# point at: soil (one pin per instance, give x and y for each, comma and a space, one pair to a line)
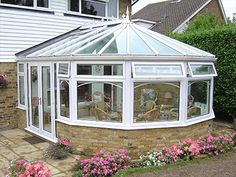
221, 166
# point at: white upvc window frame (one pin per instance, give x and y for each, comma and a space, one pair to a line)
201, 75
35, 5
80, 8
158, 64
204, 117
58, 70
59, 116
161, 124
90, 78
22, 74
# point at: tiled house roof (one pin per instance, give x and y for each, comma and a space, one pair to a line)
168, 15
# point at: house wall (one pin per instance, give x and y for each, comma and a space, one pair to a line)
8, 97
89, 140
21, 28
214, 8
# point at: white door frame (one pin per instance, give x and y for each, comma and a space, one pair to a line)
51, 136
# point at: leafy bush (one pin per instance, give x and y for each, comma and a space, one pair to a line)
58, 150
204, 22
221, 43
23, 168
103, 164
188, 149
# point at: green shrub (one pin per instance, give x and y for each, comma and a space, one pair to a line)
222, 43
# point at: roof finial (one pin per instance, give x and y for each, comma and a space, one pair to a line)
127, 13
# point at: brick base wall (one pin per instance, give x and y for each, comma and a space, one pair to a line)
136, 142
8, 97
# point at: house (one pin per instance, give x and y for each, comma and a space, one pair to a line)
175, 15
27, 23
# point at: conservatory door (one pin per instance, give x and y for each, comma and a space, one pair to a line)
41, 106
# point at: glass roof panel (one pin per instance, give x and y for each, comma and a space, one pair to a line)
97, 46
137, 45
119, 45
161, 48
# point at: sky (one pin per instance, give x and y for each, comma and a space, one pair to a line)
229, 6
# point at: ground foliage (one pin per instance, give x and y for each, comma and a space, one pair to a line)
219, 40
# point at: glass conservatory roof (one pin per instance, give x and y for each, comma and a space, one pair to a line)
121, 37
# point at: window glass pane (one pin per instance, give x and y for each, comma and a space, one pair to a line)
64, 98
161, 48
94, 8
100, 70
73, 5
19, 2
118, 45
97, 46
21, 68
63, 69
198, 98
112, 8
158, 70
99, 101
42, 3
202, 69
155, 102
137, 45
22, 89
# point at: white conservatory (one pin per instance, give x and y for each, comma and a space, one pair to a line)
114, 75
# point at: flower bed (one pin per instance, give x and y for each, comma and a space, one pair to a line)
24, 168
190, 149
103, 164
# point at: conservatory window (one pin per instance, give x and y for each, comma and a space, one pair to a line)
64, 98
198, 98
142, 70
155, 102
100, 70
90, 7
29, 3
100, 101
21, 86
63, 69
202, 69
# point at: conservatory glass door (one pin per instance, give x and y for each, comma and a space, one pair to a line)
41, 110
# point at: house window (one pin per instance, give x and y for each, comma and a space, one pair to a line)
29, 3
64, 98
21, 85
156, 102
198, 98
202, 69
143, 70
100, 101
100, 70
100, 8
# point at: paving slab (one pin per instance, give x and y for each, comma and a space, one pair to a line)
25, 149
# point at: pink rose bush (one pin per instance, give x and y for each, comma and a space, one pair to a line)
24, 168
188, 149
103, 164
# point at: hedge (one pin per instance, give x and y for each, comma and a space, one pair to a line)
222, 43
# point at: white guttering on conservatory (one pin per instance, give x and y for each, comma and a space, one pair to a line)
122, 76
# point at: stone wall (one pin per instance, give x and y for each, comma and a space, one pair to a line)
8, 97
136, 142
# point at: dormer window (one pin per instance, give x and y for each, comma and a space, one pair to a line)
28, 3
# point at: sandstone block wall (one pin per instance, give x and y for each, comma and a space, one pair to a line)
136, 142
